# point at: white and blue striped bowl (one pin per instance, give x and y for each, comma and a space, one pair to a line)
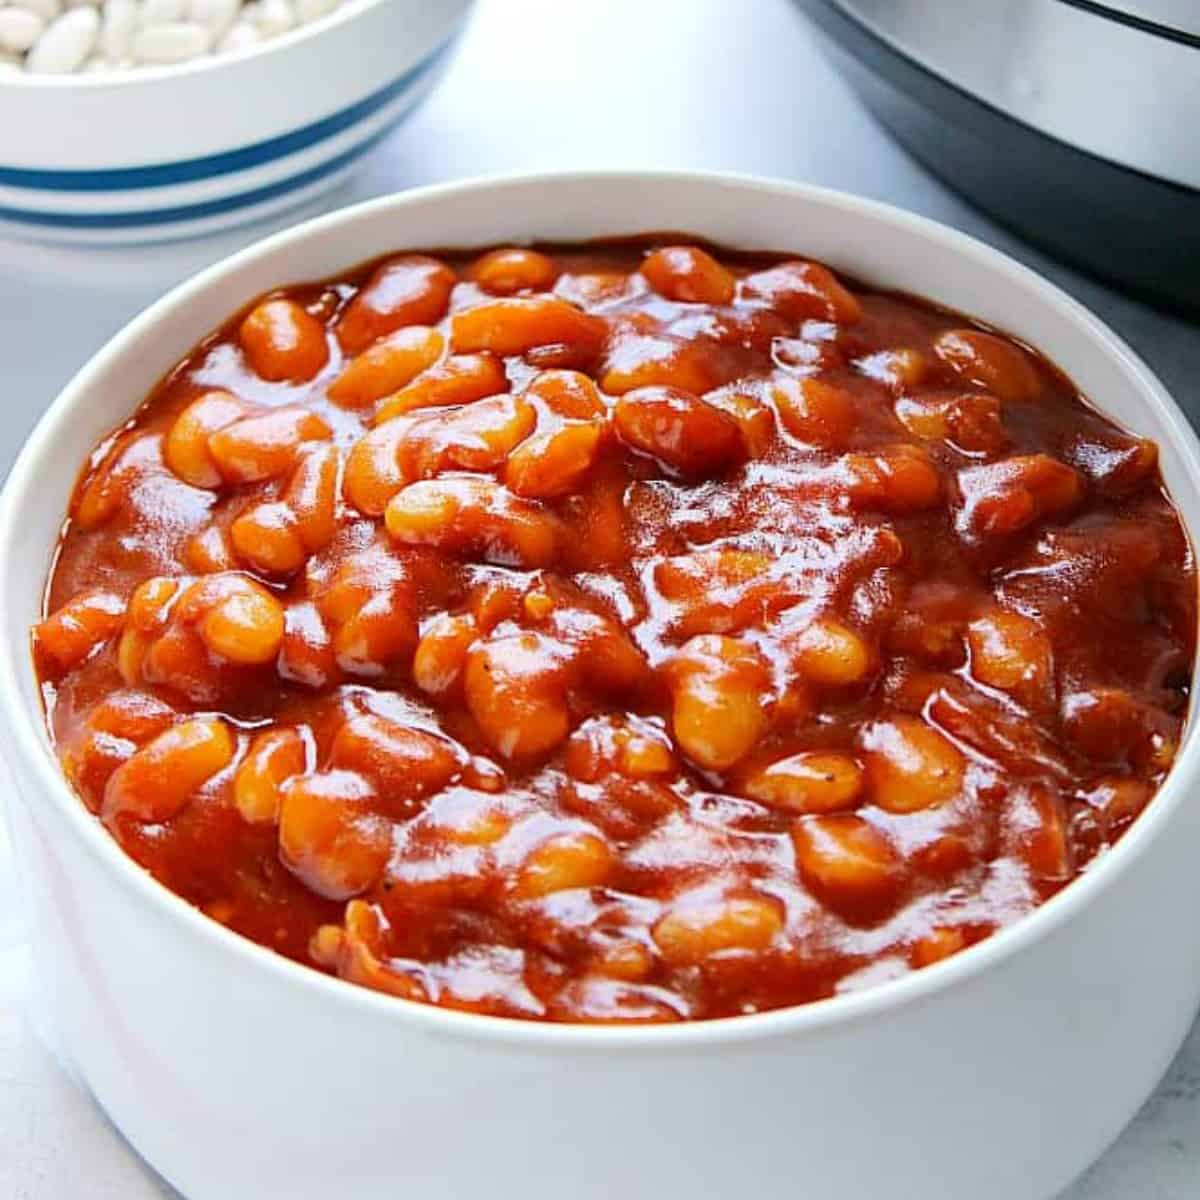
175, 152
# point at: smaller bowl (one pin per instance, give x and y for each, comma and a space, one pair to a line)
172, 152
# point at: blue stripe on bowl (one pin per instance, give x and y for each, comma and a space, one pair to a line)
193, 169
206, 208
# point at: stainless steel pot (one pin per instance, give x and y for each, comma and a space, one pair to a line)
1076, 122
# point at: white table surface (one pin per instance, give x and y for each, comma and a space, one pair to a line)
729, 84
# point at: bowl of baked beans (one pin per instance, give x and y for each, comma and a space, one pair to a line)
132, 121
642, 683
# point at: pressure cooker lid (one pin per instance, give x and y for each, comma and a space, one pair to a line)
1071, 122
1092, 74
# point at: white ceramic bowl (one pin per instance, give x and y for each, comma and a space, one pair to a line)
997, 1075
168, 152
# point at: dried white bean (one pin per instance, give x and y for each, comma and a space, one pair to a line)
19, 29
159, 12
116, 29
314, 10
66, 45
243, 36
171, 42
217, 16
46, 9
274, 17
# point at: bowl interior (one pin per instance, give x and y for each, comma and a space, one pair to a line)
877, 244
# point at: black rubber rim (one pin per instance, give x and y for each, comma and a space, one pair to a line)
1135, 22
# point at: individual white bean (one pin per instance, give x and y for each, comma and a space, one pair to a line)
243, 36
313, 10
159, 12
215, 15
98, 63
67, 44
46, 9
117, 28
19, 29
11, 64
171, 42
274, 17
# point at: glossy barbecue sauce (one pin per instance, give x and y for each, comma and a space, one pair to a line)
626, 632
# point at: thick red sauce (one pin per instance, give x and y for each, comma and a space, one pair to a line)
599, 635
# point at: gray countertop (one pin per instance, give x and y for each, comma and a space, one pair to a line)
725, 84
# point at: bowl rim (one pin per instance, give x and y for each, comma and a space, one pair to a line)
346, 12
33, 761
